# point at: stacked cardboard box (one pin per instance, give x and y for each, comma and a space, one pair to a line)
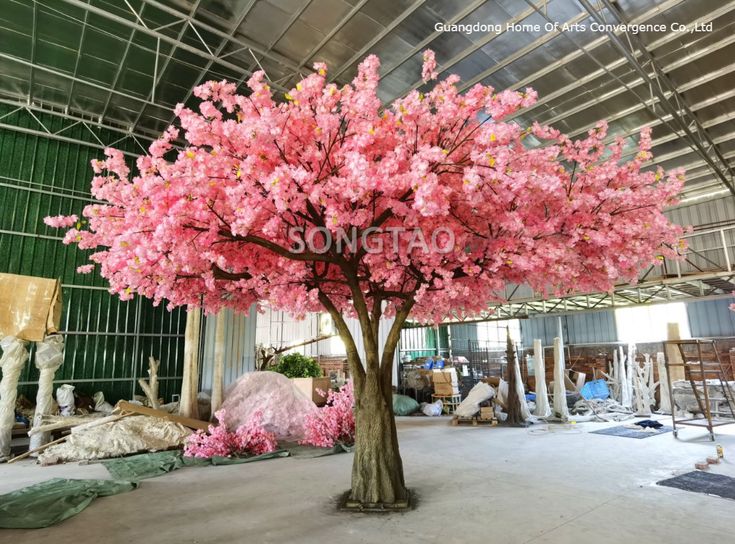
446, 382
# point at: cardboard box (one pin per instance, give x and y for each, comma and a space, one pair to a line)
448, 375
446, 382
311, 387
492, 380
30, 307
445, 389
486, 412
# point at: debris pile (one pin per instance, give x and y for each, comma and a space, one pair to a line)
116, 438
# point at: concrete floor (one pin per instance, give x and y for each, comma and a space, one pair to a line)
552, 484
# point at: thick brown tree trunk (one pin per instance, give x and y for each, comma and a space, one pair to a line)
377, 469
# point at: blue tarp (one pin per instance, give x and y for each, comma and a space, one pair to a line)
596, 389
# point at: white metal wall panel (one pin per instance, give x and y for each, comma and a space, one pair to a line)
581, 328
711, 318
239, 347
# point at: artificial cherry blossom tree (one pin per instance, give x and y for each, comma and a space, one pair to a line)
437, 201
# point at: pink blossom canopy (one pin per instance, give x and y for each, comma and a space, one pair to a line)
212, 224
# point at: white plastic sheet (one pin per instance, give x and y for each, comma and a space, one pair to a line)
114, 439
471, 404
626, 394
49, 356
521, 392
561, 410
664, 392
283, 405
433, 408
100, 404
14, 357
539, 371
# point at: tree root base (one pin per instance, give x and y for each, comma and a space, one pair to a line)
348, 505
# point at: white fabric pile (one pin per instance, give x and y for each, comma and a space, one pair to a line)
600, 410
128, 435
471, 405
283, 405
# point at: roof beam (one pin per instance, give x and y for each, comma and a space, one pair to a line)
660, 84
70, 77
55, 136
34, 33
639, 81
217, 53
123, 132
157, 77
163, 37
82, 34
279, 59
478, 45
561, 63
382, 34
346, 19
431, 37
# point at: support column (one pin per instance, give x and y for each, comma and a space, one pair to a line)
14, 357
49, 356
539, 371
664, 400
218, 369
560, 391
188, 405
672, 333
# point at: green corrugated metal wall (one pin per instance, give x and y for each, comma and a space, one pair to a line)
107, 341
422, 341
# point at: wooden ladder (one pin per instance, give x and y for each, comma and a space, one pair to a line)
700, 366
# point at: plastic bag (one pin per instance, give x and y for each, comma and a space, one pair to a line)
404, 405
100, 404
65, 399
432, 409
471, 405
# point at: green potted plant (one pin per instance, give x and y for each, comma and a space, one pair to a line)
306, 374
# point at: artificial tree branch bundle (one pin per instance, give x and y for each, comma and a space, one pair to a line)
150, 386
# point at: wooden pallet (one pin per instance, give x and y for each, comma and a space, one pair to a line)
474, 421
449, 402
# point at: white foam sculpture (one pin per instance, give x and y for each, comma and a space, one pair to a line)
543, 409
561, 410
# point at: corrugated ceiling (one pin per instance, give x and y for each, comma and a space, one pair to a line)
124, 64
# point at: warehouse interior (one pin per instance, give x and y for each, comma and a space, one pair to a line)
516, 422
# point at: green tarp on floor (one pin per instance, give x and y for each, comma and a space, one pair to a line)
150, 465
50, 502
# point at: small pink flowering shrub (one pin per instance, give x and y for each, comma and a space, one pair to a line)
249, 439
335, 422
61, 221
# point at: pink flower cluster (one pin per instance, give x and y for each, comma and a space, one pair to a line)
61, 221
248, 439
209, 224
334, 423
